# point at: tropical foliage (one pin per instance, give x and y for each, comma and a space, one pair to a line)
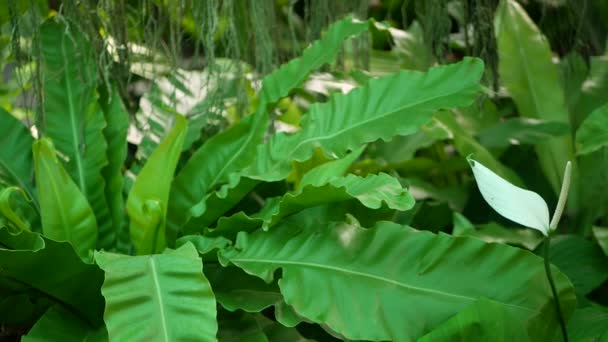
338, 195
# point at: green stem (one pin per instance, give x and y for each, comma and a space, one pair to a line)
558, 308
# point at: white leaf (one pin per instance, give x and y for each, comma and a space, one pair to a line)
519, 205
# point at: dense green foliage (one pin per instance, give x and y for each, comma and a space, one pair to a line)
147, 198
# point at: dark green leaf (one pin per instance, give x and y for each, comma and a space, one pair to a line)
58, 324
521, 131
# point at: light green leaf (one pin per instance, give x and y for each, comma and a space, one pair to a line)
518, 205
323, 173
149, 196
72, 117
372, 191
53, 269
16, 164
115, 133
589, 324
162, 297
58, 324
593, 132
398, 276
484, 320
65, 212
527, 71
378, 110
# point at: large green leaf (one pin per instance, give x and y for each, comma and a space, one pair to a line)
593, 132
581, 260
115, 134
230, 151
53, 269
589, 324
72, 117
163, 297
58, 324
16, 165
393, 105
149, 196
398, 277
484, 320
65, 212
527, 71
372, 191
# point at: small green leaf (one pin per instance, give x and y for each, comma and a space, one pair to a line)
148, 199
593, 132
7, 210
518, 205
65, 212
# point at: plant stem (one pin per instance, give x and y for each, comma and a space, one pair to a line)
558, 308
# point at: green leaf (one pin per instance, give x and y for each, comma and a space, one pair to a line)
484, 320
149, 196
378, 110
518, 205
601, 235
292, 74
398, 276
372, 191
115, 133
163, 297
495, 233
16, 164
589, 324
593, 132
232, 150
323, 173
466, 145
527, 71
521, 131
58, 324
581, 260
71, 115
53, 269
65, 212
14, 220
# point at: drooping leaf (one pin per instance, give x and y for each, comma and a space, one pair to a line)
149, 196
374, 111
581, 260
398, 276
115, 134
589, 324
527, 71
484, 320
518, 205
65, 212
232, 150
53, 269
521, 131
16, 164
372, 191
593, 132
58, 324
163, 297
72, 117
